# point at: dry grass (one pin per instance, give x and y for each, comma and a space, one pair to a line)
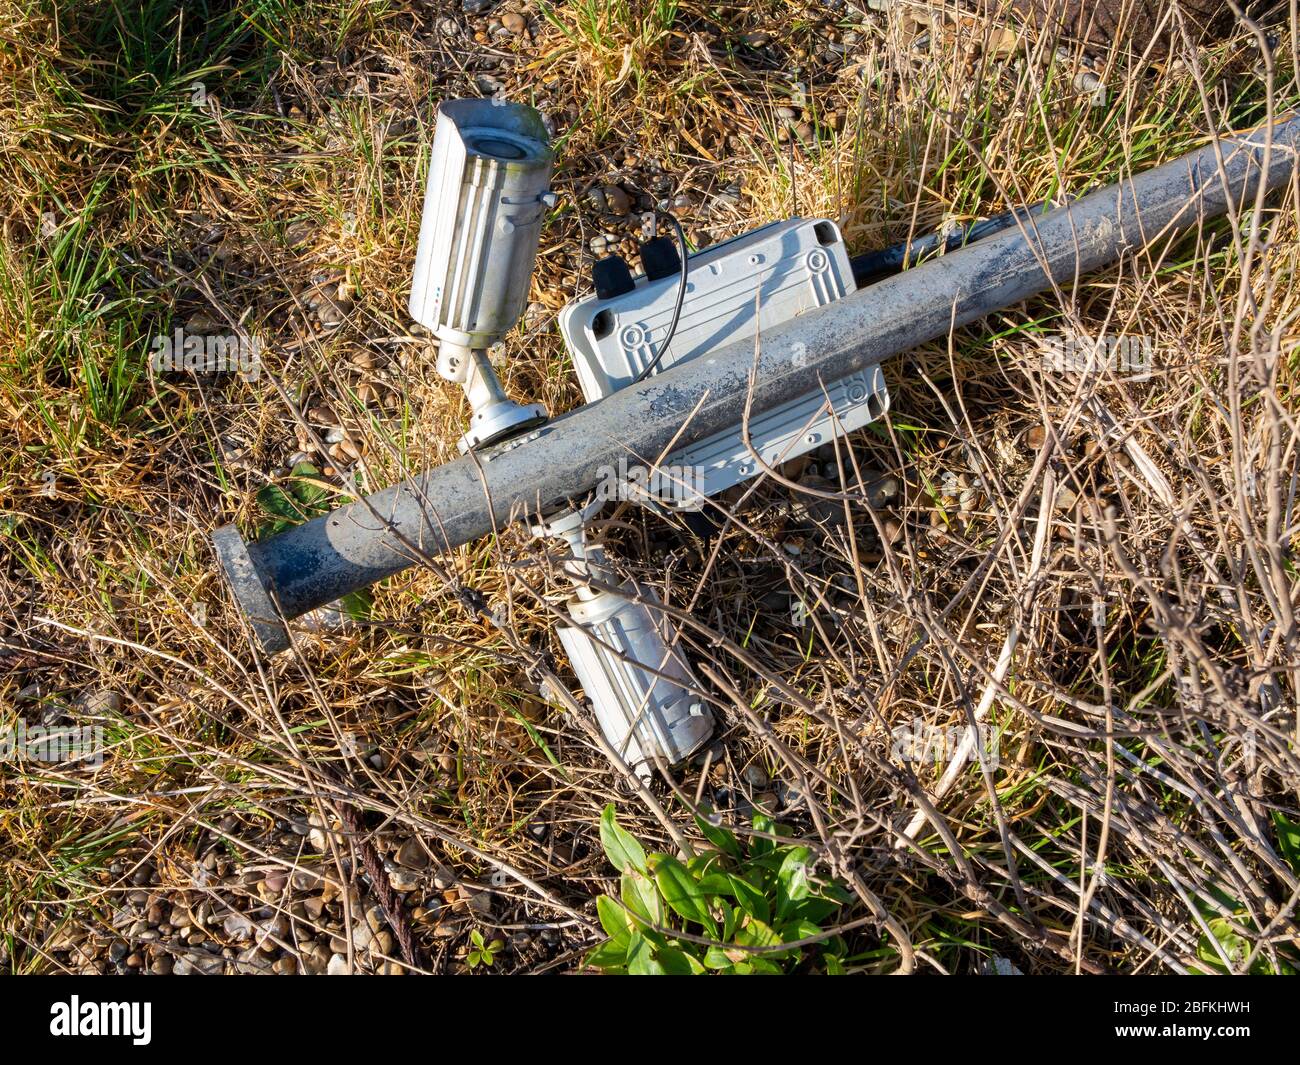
1101, 565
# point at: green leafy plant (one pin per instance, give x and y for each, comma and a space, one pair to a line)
729, 909
299, 497
303, 495
483, 953
1227, 932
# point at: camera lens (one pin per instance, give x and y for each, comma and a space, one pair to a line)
498, 148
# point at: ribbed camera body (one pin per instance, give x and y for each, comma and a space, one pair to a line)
488, 188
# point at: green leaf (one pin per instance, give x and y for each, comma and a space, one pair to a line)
682, 893
307, 489
641, 896
758, 934
792, 880
750, 899
1234, 946
623, 851
357, 604
614, 920
757, 845
609, 955
720, 837
273, 528
814, 909
678, 962
730, 915
794, 930
274, 500
1288, 840
713, 884
700, 865
640, 957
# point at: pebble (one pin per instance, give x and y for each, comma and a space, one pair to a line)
238, 927
618, 201
412, 855
479, 901
101, 703
1088, 82
882, 491
728, 197
338, 965
1064, 499
515, 23
272, 887
330, 312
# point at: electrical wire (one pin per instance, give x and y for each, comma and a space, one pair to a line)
653, 364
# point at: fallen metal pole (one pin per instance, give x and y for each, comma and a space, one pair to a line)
433, 512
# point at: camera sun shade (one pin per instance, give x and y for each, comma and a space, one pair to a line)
488, 188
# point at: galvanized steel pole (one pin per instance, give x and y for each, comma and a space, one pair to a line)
433, 512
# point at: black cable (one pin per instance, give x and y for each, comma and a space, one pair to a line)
681, 297
874, 265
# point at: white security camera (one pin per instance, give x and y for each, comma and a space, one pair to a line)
488, 190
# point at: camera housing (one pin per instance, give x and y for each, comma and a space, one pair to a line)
487, 193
